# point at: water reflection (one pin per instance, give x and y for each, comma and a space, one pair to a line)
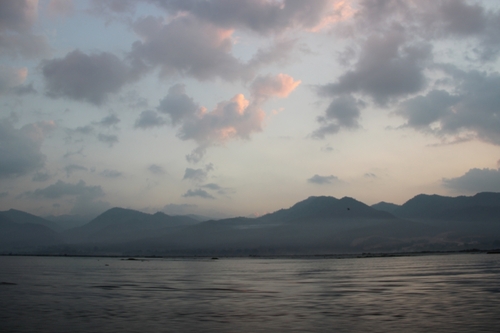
452, 293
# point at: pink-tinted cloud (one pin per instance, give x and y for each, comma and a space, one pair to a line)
281, 85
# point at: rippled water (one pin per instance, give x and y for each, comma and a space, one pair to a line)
439, 293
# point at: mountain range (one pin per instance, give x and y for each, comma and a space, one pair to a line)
316, 225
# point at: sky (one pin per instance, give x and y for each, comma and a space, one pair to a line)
243, 107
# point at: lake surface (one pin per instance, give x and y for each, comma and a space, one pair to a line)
436, 293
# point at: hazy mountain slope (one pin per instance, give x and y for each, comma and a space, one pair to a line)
325, 208
119, 224
18, 216
25, 236
386, 207
440, 207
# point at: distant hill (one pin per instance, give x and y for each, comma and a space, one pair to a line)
23, 237
438, 207
119, 225
21, 217
326, 208
316, 225
70, 221
386, 207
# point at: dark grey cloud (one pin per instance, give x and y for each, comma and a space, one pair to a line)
472, 107
186, 46
263, 17
322, 180
110, 139
20, 148
85, 198
198, 175
156, 169
343, 112
41, 176
475, 180
370, 175
24, 89
111, 173
89, 78
4, 194
388, 68
61, 189
178, 105
198, 193
17, 18
217, 188
149, 119
71, 168
108, 121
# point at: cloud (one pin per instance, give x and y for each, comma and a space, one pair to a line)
4, 194
322, 180
85, 197
109, 139
187, 47
41, 177
263, 17
156, 169
87, 78
111, 173
197, 175
108, 121
149, 119
475, 180
472, 107
20, 148
387, 68
72, 168
178, 105
198, 193
10, 78
265, 87
343, 112
237, 118
60, 8
17, 18
61, 189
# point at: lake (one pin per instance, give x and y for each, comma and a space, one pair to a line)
434, 293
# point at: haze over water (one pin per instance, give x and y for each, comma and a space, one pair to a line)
438, 293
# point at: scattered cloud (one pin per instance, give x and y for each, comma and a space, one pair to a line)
110, 139
41, 176
108, 121
198, 175
237, 118
111, 173
149, 119
12, 78
85, 197
156, 169
87, 78
20, 149
475, 180
69, 169
198, 193
322, 180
